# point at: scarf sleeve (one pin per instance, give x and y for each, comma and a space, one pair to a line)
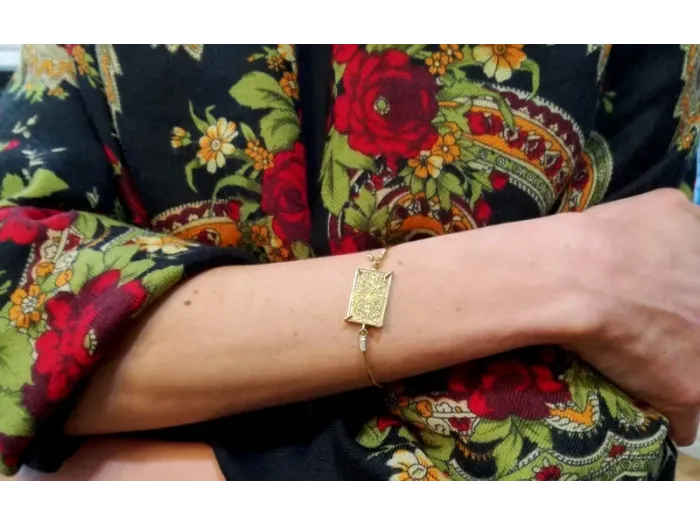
77, 260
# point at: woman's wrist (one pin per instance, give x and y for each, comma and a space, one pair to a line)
485, 292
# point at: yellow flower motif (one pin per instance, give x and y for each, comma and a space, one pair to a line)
168, 245
64, 278
426, 164
275, 62
44, 268
414, 466
424, 408
286, 51
26, 306
216, 144
259, 234
262, 159
253, 149
447, 148
289, 85
179, 138
452, 51
57, 92
687, 141
499, 59
437, 63
80, 57
276, 250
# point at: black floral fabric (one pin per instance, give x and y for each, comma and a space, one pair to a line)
124, 169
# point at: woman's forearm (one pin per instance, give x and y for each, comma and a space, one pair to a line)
241, 338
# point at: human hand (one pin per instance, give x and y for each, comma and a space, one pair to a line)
637, 262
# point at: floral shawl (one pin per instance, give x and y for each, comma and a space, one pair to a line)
125, 169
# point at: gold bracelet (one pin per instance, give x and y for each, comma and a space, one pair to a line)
368, 300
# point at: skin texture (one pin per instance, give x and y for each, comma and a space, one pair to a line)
113, 459
565, 279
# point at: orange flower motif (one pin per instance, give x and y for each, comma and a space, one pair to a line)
262, 159
500, 59
44, 268
414, 466
286, 51
253, 149
216, 144
452, 51
64, 278
57, 92
259, 234
80, 57
426, 164
437, 63
179, 138
446, 147
424, 408
276, 250
289, 85
275, 62
26, 306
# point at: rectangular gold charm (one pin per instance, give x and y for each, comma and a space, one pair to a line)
369, 296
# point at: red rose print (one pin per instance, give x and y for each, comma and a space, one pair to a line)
233, 210
484, 123
482, 211
498, 179
11, 449
11, 145
25, 225
377, 181
387, 106
498, 389
344, 52
616, 450
353, 242
460, 424
550, 473
284, 195
77, 323
385, 422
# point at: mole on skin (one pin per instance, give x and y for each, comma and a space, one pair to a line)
187, 303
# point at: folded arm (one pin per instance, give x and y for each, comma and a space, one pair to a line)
239, 338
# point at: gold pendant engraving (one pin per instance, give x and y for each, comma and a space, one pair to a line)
369, 297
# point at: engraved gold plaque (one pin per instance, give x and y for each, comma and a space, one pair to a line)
369, 296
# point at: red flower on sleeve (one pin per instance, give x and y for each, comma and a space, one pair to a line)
78, 324
500, 388
25, 225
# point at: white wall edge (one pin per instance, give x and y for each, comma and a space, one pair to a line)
9, 58
693, 450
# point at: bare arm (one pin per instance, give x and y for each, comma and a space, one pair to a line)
240, 338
